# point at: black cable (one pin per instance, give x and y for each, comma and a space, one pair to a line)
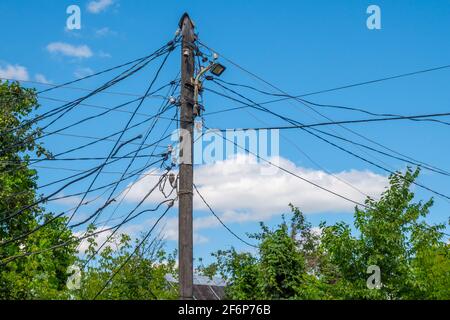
116, 184
107, 138
300, 126
320, 124
128, 215
64, 109
289, 172
26, 234
89, 173
58, 191
325, 105
72, 159
103, 71
96, 106
164, 107
372, 81
99, 114
220, 220
127, 125
127, 94
335, 88
132, 254
86, 171
149, 131
97, 140
54, 218
81, 172
114, 160
111, 184
69, 106
34, 161
314, 162
260, 107
129, 122
439, 171
78, 239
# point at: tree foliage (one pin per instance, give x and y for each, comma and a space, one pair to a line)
298, 262
141, 276
36, 276
45, 275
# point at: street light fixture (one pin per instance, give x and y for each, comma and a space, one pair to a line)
217, 69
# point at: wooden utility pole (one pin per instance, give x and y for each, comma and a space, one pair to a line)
185, 220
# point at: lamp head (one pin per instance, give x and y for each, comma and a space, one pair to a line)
217, 69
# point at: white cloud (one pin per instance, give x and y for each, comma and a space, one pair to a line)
103, 54
41, 78
102, 32
170, 232
82, 51
83, 72
237, 190
14, 72
105, 31
99, 5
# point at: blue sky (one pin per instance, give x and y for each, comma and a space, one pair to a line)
301, 46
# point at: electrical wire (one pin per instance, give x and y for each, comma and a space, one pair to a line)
338, 88
352, 85
289, 172
132, 254
88, 173
78, 239
169, 44
220, 220
81, 172
299, 125
128, 167
113, 150
446, 114
325, 105
412, 161
69, 106
64, 109
151, 128
129, 214
26, 234
255, 105
314, 162
96, 106
99, 114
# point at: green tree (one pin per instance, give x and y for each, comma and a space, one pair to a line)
40, 276
284, 268
295, 262
141, 277
393, 235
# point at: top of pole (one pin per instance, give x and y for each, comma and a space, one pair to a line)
185, 19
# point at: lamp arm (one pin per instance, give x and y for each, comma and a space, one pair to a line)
197, 84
